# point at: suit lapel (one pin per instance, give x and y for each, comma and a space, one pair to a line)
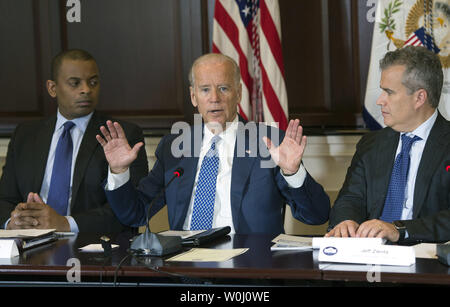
431, 158
42, 148
87, 148
383, 169
240, 173
184, 189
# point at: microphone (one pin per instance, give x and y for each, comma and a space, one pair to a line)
152, 244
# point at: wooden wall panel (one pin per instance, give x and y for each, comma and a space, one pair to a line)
303, 44
320, 50
20, 80
138, 47
145, 48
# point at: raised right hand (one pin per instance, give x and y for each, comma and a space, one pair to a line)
118, 152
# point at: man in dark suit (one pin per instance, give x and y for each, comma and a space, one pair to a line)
248, 192
30, 176
398, 184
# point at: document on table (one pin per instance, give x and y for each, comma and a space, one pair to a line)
426, 250
95, 248
287, 242
208, 255
24, 233
184, 234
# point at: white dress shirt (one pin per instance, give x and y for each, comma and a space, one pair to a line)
222, 204
77, 133
423, 131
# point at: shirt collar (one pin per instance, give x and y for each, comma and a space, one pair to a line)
228, 135
424, 129
80, 122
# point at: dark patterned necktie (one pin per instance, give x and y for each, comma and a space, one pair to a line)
205, 194
395, 198
58, 195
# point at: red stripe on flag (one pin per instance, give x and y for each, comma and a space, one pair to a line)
271, 34
273, 102
232, 31
242, 113
245, 54
412, 37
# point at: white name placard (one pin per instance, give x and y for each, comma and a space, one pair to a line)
8, 249
317, 242
346, 252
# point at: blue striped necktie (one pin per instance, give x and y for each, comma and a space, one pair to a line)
205, 194
395, 198
58, 195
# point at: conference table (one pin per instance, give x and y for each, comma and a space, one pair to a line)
61, 263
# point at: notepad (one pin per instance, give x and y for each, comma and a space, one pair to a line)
24, 233
287, 242
184, 234
208, 255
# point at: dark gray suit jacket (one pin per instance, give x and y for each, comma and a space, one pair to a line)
364, 191
25, 167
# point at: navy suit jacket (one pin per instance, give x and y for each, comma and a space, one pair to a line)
258, 194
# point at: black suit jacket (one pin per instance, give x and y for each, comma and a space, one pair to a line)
25, 165
364, 191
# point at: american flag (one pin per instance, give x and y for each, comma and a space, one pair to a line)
249, 31
421, 38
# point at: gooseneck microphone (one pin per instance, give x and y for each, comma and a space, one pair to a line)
151, 244
176, 173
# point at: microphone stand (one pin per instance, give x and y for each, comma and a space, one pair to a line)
152, 244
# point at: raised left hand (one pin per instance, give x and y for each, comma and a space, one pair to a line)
288, 155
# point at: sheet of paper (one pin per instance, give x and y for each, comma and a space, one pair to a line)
24, 233
425, 250
208, 255
95, 248
181, 233
287, 242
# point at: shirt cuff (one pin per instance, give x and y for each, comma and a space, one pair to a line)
296, 180
115, 181
70, 220
73, 224
6, 223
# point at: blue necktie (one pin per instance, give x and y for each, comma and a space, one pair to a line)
205, 194
58, 195
395, 198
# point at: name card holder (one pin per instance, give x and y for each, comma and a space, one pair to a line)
345, 252
8, 249
319, 241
